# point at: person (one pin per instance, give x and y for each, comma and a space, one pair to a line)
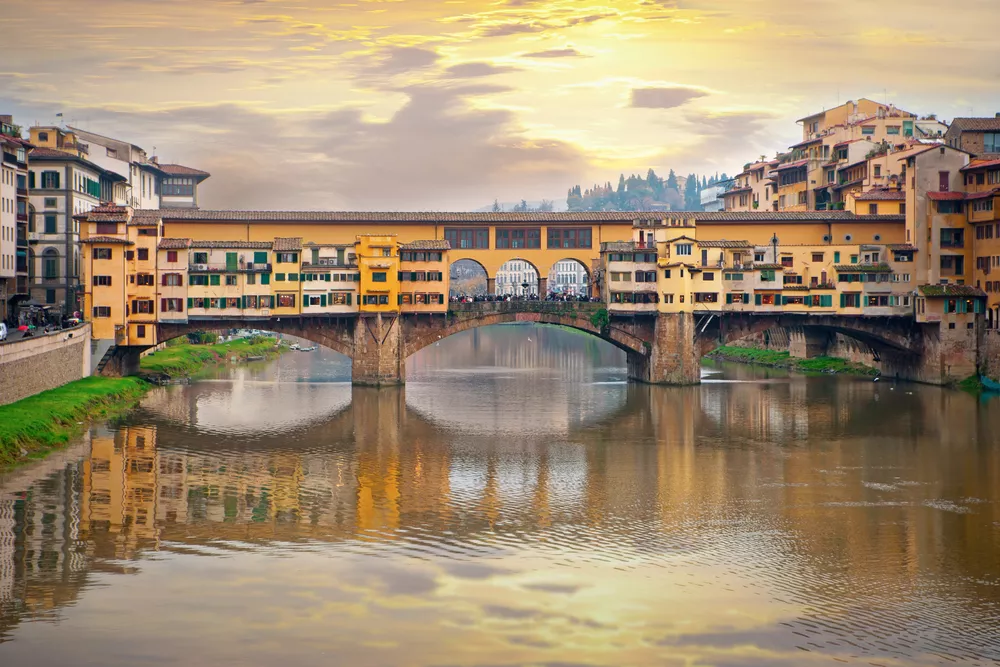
3, 331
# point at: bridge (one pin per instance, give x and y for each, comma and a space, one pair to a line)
660, 348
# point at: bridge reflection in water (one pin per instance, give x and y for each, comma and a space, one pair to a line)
825, 519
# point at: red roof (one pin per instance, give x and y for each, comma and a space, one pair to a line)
882, 194
181, 170
844, 143
807, 142
979, 164
791, 165
946, 196
106, 239
41, 151
982, 195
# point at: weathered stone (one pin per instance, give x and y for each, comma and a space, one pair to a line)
43, 362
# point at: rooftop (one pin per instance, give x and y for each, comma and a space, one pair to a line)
988, 124
174, 244
950, 290
106, 239
946, 196
723, 243
882, 194
247, 245
438, 244
181, 170
863, 268
288, 243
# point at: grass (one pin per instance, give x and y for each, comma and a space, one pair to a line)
37, 424
777, 359
186, 359
972, 384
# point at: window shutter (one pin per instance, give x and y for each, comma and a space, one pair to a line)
260, 257
729, 298
756, 299
843, 300
190, 303
322, 299
214, 279
265, 279
163, 305
206, 303
349, 299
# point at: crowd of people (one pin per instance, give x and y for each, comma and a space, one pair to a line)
552, 296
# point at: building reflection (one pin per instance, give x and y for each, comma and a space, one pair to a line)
849, 473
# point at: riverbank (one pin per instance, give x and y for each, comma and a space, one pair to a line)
775, 359
35, 425
186, 359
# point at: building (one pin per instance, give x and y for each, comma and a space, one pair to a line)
977, 136
569, 277
711, 197
13, 219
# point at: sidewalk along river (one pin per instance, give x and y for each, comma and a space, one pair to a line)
33, 426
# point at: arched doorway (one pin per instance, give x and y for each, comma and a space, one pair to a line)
569, 277
467, 278
517, 277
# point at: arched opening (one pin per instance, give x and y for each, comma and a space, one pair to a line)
50, 264
468, 278
568, 278
517, 277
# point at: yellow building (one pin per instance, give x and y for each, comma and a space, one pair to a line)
378, 264
423, 276
982, 203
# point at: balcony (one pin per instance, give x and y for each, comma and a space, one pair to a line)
22, 192
34, 237
22, 217
222, 267
331, 262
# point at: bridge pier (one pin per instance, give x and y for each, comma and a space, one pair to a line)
378, 359
807, 343
120, 361
673, 354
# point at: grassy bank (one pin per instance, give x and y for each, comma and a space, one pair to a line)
186, 360
38, 423
777, 359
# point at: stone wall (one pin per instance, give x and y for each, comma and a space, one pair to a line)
989, 355
36, 364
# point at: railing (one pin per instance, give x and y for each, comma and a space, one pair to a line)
330, 262
952, 244
22, 192
216, 267
526, 306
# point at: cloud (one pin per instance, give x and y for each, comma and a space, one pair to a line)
395, 60
477, 69
512, 28
663, 98
555, 53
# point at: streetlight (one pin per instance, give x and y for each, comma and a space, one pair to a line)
524, 286
774, 244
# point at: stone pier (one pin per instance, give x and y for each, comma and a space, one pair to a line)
807, 342
378, 359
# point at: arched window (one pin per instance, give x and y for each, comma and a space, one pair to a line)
50, 264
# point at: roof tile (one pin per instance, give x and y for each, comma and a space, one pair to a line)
174, 244
106, 239
432, 244
950, 290
247, 245
288, 243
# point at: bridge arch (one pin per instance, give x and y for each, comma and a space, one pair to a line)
569, 275
464, 277
516, 272
335, 333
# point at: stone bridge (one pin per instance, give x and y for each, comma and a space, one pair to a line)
663, 348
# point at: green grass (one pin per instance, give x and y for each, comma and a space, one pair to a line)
185, 360
972, 384
777, 359
41, 422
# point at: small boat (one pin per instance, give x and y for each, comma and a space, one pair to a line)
307, 349
988, 384
294, 346
256, 358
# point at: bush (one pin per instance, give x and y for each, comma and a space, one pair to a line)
202, 338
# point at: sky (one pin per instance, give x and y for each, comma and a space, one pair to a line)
450, 104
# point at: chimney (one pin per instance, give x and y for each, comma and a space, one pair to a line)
9, 120
154, 160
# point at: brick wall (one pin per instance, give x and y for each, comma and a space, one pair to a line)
990, 355
39, 363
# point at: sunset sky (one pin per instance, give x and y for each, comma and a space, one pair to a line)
446, 105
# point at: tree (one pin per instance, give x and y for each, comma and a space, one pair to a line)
672, 181
496, 206
545, 206
692, 202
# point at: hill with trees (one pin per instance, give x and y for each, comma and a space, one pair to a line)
652, 193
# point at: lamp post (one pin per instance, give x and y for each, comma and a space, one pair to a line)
524, 288
774, 245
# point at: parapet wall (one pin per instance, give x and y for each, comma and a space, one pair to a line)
43, 362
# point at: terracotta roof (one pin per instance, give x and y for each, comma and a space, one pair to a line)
950, 290
982, 195
946, 196
735, 191
672, 265
723, 243
108, 213
852, 164
768, 266
929, 147
288, 243
42, 152
882, 194
758, 165
181, 170
844, 143
174, 244
989, 124
795, 288
682, 237
980, 164
901, 246
791, 165
863, 268
106, 239
432, 244
566, 217
856, 181
806, 142
248, 245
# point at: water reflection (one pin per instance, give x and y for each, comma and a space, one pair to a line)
527, 514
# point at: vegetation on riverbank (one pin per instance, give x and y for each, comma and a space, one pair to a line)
34, 425
775, 359
185, 360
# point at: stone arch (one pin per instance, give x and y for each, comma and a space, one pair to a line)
582, 286
503, 286
453, 278
335, 333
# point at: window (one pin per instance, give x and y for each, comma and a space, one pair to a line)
519, 238
378, 276
286, 257
147, 231
171, 255
706, 297
279, 277
569, 237
758, 257
102, 311
850, 300
643, 276
142, 254
952, 238
102, 253
140, 331
142, 306
943, 177
708, 275
991, 142
666, 274
173, 280
144, 279
340, 299
286, 301
198, 280
200, 258
177, 187
791, 280
293, 277
466, 239
732, 276
102, 281
50, 202
683, 248
872, 209
231, 281
50, 223
50, 180
668, 298
172, 305
767, 275
214, 279
107, 228
892, 129
868, 129
982, 205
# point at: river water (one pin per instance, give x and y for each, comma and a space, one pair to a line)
517, 503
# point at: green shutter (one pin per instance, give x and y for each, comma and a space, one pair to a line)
729, 298
756, 299
322, 299
205, 303
349, 299
279, 277
231, 261
293, 277
190, 303
214, 279
825, 300
265, 279
260, 257
843, 300
746, 297
836, 257
962, 306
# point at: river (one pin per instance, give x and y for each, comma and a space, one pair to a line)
518, 503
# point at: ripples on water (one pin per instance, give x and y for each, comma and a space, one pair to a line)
517, 504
